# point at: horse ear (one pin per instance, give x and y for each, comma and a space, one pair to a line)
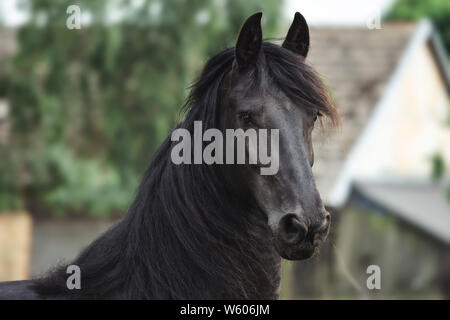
297, 39
249, 42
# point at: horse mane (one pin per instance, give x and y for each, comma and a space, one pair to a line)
193, 231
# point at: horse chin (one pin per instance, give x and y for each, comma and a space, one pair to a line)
300, 251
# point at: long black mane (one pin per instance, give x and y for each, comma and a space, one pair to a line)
193, 231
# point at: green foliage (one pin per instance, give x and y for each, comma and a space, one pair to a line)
10, 198
85, 184
90, 106
438, 166
436, 10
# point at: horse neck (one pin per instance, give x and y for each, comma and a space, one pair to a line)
201, 249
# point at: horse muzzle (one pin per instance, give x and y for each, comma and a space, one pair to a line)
295, 239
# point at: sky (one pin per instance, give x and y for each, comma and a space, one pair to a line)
336, 12
13, 16
316, 12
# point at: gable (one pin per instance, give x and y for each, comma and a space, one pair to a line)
397, 75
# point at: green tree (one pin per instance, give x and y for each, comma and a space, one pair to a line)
90, 106
436, 10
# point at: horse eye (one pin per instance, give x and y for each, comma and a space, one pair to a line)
246, 117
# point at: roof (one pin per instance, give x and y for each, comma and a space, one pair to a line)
360, 66
422, 204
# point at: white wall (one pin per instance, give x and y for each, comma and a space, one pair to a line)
413, 127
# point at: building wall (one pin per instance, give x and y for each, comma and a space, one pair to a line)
59, 241
412, 128
409, 260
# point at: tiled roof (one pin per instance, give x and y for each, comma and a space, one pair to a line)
356, 64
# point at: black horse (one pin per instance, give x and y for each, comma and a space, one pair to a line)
199, 231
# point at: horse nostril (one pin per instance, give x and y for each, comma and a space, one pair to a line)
327, 221
291, 229
320, 232
327, 218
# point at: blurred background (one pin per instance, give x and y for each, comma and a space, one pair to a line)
83, 110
